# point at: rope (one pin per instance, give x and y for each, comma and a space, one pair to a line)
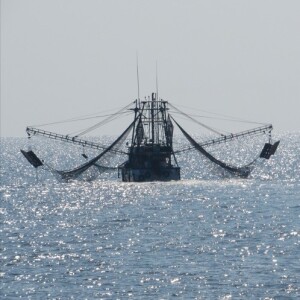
82, 117
232, 118
110, 118
201, 124
179, 116
103, 122
224, 119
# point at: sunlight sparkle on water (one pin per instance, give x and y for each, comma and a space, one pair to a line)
203, 237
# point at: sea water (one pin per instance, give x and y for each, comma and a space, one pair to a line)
208, 236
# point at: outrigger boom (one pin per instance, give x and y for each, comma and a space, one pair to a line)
232, 136
66, 138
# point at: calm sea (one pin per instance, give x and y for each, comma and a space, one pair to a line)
207, 236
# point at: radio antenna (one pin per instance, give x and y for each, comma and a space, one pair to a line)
137, 75
156, 83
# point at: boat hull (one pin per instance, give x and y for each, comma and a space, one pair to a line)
145, 175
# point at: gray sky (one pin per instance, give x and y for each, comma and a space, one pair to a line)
65, 58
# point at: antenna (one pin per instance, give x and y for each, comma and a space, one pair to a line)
137, 74
156, 83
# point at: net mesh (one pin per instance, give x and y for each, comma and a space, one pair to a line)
243, 171
98, 164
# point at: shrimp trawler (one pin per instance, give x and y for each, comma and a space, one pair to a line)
148, 154
151, 156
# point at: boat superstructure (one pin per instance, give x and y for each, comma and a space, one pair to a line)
151, 156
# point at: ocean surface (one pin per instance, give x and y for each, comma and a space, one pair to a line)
208, 236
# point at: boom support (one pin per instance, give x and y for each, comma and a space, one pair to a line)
69, 139
230, 137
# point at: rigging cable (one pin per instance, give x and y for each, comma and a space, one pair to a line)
201, 124
236, 119
103, 122
72, 120
179, 116
223, 119
78, 118
110, 118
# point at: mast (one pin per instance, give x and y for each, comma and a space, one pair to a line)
157, 98
138, 77
157, 106
152, 118
135, 117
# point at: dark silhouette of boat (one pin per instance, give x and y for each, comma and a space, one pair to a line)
151, 156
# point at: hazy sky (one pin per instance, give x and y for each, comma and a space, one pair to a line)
65, 58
